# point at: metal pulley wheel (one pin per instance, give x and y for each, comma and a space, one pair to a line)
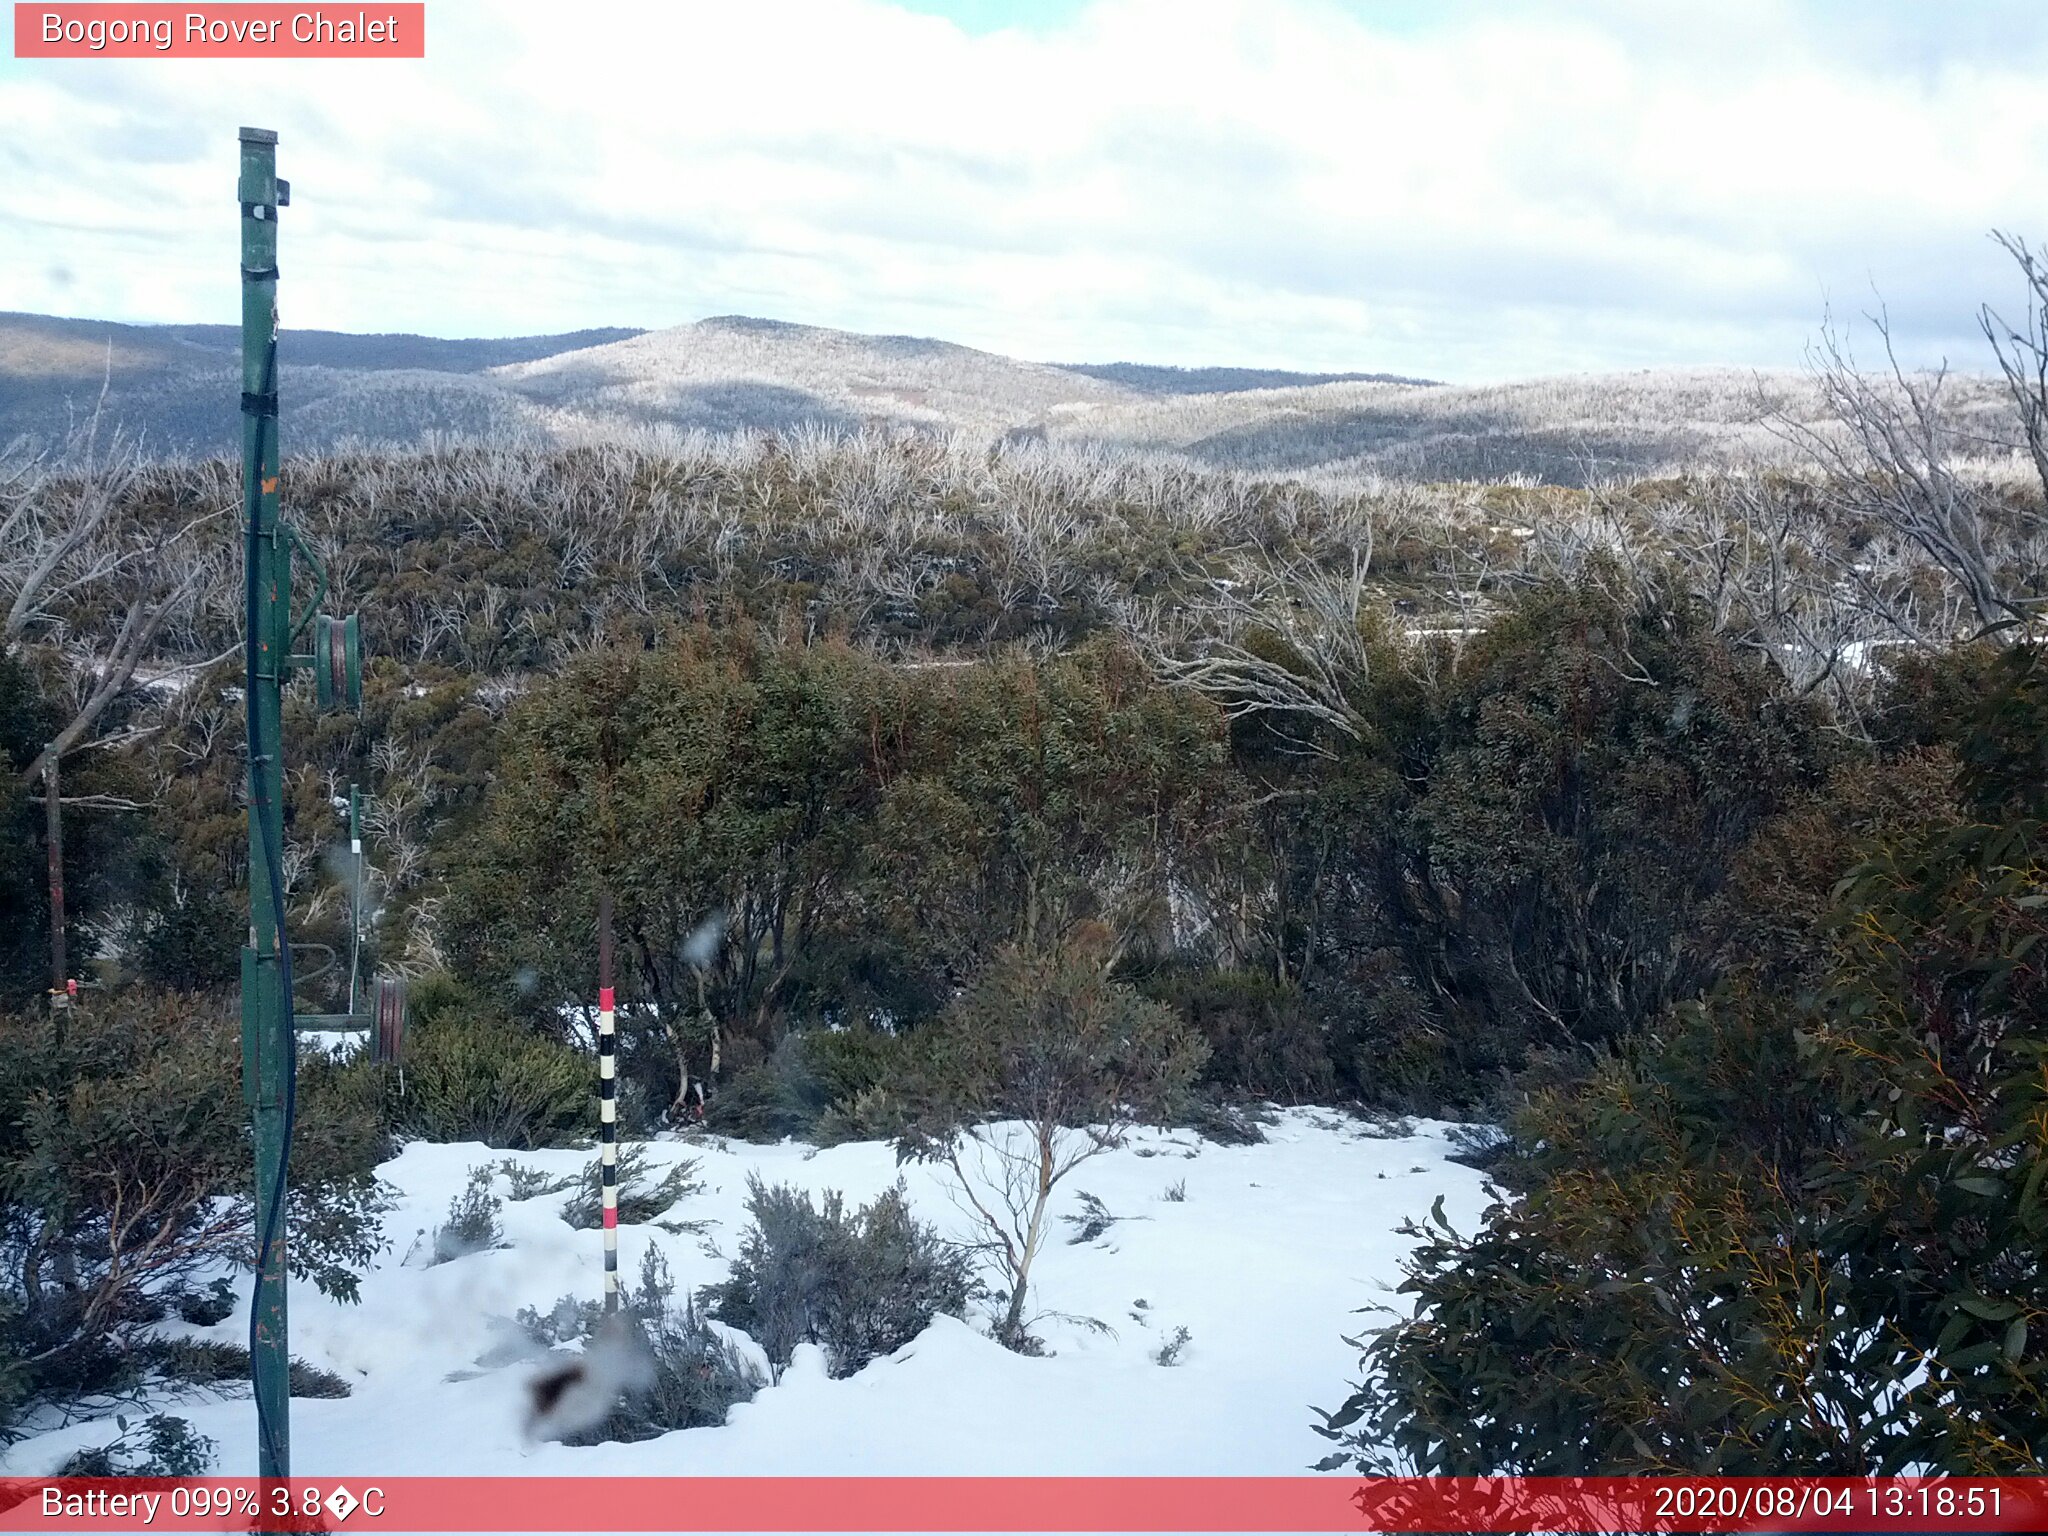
387, 1036
337, 662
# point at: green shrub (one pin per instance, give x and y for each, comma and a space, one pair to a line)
204, 1362
160, 1446
305, 1380
846, 1063
472, 1225
124, 1174
1265, 1040
640, 1198
1778, 1233
1527, 845
860, 1285
764, 1103
813, 1076
205, 1308
877, 1114
530, 1183
673, 1370
801, 832
193, 947
697, 1375
469, 1076
1228, 1125
210, 1362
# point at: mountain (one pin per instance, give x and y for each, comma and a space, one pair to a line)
733, 371
176, 387
1155, 379
52, 347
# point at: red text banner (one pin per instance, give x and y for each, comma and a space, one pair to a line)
1249, 1504
102, 31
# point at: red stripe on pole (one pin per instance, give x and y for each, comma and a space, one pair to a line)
604, 998
1190, 1504
611, 1217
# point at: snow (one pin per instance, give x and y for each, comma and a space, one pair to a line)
1266, 1262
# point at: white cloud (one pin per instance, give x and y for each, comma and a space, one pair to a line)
1279, 182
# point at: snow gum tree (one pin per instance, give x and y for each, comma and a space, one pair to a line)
1041, 1064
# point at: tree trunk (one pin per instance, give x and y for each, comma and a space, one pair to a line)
679, 1111
1013, 1320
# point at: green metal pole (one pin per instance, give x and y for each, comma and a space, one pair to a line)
267, 1043
355, 898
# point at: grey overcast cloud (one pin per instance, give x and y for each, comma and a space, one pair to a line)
1468, 192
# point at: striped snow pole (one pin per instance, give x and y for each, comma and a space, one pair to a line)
607, 1103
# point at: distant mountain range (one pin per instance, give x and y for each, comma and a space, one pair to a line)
176, 388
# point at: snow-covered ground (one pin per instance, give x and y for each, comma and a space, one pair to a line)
1265, 1262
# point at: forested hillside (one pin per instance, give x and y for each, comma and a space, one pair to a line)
172, 391
1684, 829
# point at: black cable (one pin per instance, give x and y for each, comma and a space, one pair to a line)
274, 864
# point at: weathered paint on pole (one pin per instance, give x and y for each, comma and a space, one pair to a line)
268, 1049
607, 1103
53, 837
355, 892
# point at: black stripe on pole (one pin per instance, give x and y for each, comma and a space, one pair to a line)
608, 1129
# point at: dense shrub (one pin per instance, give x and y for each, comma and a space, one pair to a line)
846, 1063
768, 1101
877, 1114
1526, 847
1780, 1233
811, 1085
715, 787
205, 1308
192, 946
801, 840
1228, 1125
531, 1183
1772, 916
1265, 1040
471, 1076
125, 1174
697, 1373
860, 1285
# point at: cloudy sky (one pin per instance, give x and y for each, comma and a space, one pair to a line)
1467, 191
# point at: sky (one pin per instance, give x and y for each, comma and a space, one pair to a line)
1457, 190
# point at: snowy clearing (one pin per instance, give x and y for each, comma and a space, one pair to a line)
1265, 1262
